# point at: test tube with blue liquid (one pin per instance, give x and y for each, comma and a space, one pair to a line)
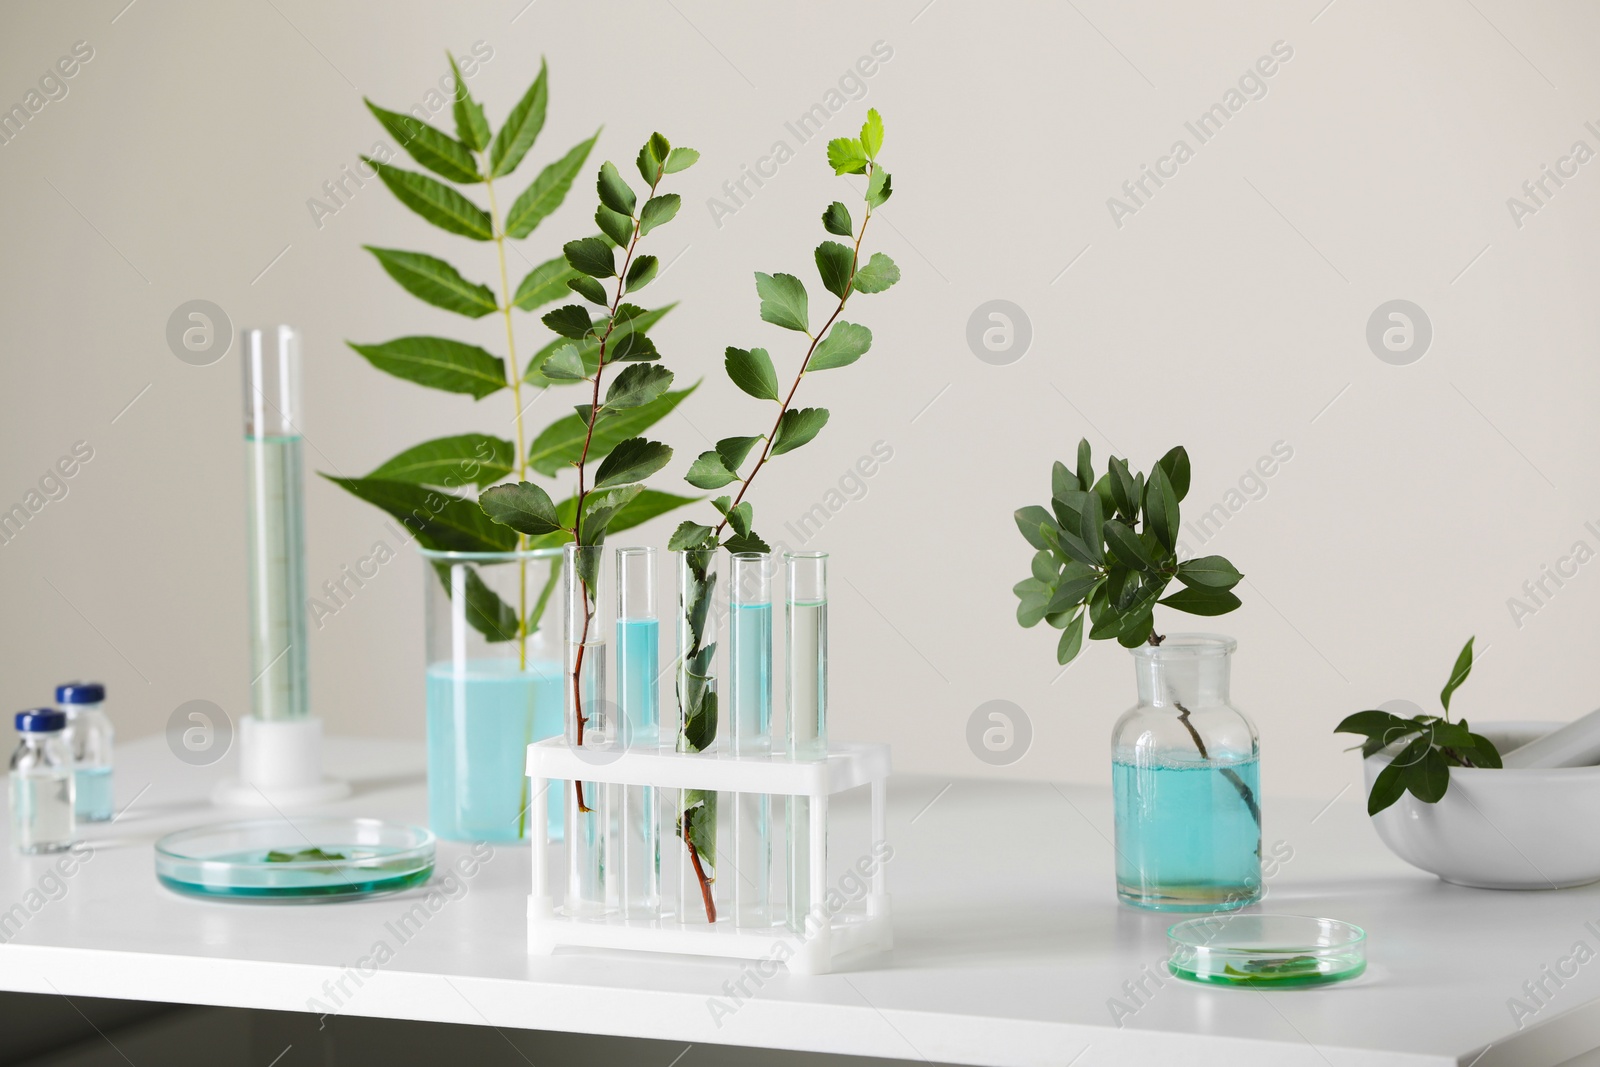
638, 844
276, 524
750, 730
806, 619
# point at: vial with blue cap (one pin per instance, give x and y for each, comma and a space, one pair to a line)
41, 783
89, 733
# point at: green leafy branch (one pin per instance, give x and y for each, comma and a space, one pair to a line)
615, 338
420, 487
785, 303
1107, 551
1433, 744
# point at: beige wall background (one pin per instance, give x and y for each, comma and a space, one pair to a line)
1228, 312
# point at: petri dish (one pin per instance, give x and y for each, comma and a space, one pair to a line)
1266, 951
304, 861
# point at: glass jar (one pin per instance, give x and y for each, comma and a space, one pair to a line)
493, 687
41, 783
1185, 772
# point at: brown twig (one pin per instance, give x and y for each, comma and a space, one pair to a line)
699, 871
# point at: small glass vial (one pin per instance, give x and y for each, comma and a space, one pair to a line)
41, 783
90, 734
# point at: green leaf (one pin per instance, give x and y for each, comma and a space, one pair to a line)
652, 157
569, 320
1429, 778
681, 159
436, 282
560, 444
465, 459
734, 450
648, 505
627, 342
1199, 600
739, 518
438, 363
745, 542
471, 127
637, 385
544, 283
1135, 629
1126, 546
1161, 509
614, 192
1085, 466
1092, 528
879, 187
709, 472
619, 228
797, 427
1458, 674
1375, 723
1390, 784
872, 133
658, 211
834, 262
600, 509
521, 128
1062, 481
592, 256
688, 535
1211, 571
1122, 489
1029, 519
438, 520
435, 201
1031, 609
642, 272
589, 289
753, 372
632, 460
547, 191
1071, 641
483, 610
846, 156
877, 274
1176, 465
783, 301
845, 344
434, 149
836, 220
565, 364
524, 507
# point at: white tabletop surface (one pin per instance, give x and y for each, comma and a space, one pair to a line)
1010, 944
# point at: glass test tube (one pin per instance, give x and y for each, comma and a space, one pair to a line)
806, 619
276, 541
750, 729
695, 820
589, 725
637, 834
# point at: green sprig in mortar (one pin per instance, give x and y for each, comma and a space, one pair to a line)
836, 343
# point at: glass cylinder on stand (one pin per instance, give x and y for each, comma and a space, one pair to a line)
1185, 773
590, 725
695, 826
636, 836
750, 729
806, 690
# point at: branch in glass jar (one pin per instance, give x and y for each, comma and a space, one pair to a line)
1107, 551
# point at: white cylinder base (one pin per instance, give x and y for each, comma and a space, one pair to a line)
280, 766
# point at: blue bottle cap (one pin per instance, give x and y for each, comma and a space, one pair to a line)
41, 721
81, 693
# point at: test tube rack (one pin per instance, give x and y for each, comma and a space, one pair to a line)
863, 927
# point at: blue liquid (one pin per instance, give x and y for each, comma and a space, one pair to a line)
1186, 839
638, 679
480, 722
346, 878
93, 794
750, 649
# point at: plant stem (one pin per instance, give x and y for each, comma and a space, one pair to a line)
699, 871
583, 492
521, 460
766, 446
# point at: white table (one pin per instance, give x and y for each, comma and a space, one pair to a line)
1009, 943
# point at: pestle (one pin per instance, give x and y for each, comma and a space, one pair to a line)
1577, 744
